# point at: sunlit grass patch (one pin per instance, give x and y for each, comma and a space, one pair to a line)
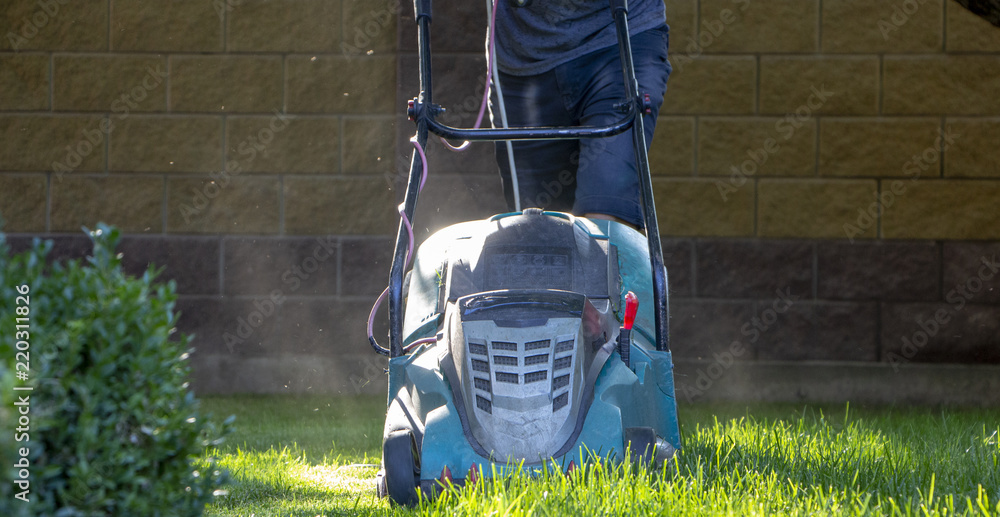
315, 456
283, 482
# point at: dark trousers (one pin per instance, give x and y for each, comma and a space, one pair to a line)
592, 174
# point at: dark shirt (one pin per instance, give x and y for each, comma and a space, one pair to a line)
547, 33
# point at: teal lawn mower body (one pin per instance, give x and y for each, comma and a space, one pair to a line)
528, 340
519, 374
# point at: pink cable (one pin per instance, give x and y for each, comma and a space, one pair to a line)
409, 248
402, 213
486, 90
415, 344
371, 315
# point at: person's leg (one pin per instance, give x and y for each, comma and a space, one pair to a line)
607, 176
546, 173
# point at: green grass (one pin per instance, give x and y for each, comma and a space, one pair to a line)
300, 455
308, 456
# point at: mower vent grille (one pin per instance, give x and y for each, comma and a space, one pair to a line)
538, 369
484, 404
536, 359
559, 382
536, 345
560, 402
477, 349
505, 346
510, 378
538, 376
504, 360
483, 384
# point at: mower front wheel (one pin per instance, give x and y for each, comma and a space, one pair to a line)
401, 462
646, 448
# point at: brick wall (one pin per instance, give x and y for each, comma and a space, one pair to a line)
839, 154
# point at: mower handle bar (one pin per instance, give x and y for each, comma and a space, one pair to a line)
424, 111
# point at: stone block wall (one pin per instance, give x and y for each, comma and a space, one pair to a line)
245, 146
837, 152
826, 171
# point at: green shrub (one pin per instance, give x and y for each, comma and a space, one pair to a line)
114, 429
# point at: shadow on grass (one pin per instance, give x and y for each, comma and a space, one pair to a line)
322, 429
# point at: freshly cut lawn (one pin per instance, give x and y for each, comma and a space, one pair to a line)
303, 456
308, 456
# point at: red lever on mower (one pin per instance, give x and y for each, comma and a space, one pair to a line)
631, 308
625, 334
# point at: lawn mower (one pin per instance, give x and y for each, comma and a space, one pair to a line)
531, 339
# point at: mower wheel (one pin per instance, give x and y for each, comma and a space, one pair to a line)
402, 469
641, 442
664, 451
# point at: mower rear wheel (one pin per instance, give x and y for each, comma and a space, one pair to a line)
402, 467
